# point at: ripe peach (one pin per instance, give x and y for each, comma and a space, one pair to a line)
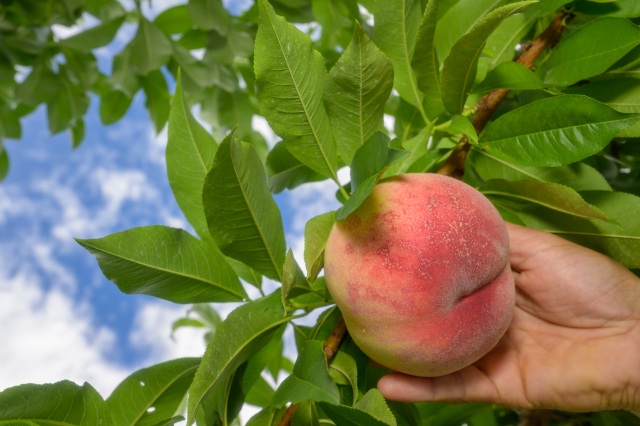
420, 272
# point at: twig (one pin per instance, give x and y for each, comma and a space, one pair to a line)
487, 106
330, 349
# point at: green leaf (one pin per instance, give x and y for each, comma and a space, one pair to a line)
150, 48
193, 68
294, 282
458, 18
554, 131
622, 94
242, 216
509, 75
290, 78
395, 30
462, 125
578, 176
358, 86
174, 20
63, 403
41, 85
371, 410
95, 37
460, 66
344, 371
189, 154
77, 133
209, 15
286, 171
246, 330
246, 273
546, 7
69, 105
369, 164
113, 106
4, 163
158, 98
425, 62
122, 77
548, 194
316, 232
81, 68
619, 238
268, 416
152, 394
590, 50
310, 379
417, 148
167, 263
501, 44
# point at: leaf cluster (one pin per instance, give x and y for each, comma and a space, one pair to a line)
560, 154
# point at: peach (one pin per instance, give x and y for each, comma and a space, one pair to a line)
420, 272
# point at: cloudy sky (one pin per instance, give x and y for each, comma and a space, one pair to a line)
59, 317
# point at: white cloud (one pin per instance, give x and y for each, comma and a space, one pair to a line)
152, 330
47, 337
260, 125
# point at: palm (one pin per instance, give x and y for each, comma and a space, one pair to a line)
572, 343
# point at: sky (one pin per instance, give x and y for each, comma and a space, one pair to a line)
60, 318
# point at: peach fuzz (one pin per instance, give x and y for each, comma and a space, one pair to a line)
420, 272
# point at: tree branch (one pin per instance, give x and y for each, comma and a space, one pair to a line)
487, 106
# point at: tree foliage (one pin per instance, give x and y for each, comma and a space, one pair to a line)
560, 153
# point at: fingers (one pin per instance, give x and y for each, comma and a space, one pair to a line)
467, 385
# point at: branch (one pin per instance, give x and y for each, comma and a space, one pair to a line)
330, 349
487, 106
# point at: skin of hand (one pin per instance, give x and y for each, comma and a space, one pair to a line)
573, 344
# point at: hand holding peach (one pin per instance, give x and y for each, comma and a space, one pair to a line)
420, 272
573, 342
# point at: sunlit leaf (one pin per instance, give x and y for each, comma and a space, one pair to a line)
94, 37
425, 61
242, 216
554, 131
62, 404
310, 379
245, 331
590, 50
150, 48
395, 30
371, 410
290, 78
356, 91
316, 232
547, 194
509, 75
167, 263
460, 66
152, 394
189, 154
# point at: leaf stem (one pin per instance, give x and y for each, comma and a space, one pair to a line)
343, 191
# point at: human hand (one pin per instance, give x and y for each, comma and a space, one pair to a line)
573, 344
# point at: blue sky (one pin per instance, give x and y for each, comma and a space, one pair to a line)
59, 317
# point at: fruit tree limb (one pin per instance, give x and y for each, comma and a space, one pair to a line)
487, 106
